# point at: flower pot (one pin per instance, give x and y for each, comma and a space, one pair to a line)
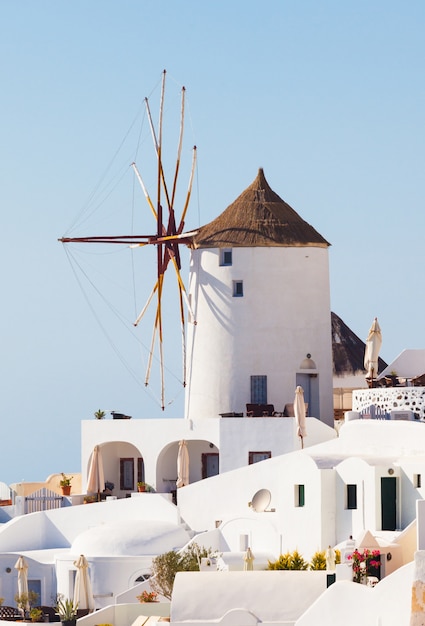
141, 488
70, 622
66, 490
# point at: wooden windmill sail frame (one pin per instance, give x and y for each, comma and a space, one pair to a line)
167, 239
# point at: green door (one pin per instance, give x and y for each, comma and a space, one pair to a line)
388, 503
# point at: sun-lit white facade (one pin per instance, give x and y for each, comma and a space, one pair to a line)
263, 326
281, 315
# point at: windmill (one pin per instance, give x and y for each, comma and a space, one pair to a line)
168, 236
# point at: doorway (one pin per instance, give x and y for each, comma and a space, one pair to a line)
310, 385
388, 503
210, 464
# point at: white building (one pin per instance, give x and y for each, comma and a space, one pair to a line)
255, 339
259, 286
309, 499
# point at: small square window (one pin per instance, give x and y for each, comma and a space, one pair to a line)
299, 495
417, 481
226, 256
351, 496
237, 288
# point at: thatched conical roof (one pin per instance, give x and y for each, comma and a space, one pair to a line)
258, 217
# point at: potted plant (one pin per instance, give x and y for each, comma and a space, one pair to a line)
99, 415
36, 615
363, 563
67, 611
141, 486
25, 602
147, 596
65, 483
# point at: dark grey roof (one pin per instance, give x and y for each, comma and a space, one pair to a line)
348, 350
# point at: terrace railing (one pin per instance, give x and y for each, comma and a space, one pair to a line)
42, 500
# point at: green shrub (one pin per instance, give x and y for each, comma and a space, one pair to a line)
289, 561
192, 556
36, 615
283, 562
318, 561
298, 562
165, 567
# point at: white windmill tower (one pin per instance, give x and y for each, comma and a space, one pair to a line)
259, 290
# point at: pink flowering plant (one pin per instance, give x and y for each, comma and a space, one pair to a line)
148, 596
363, 562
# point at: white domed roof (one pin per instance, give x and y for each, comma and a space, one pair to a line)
130, 538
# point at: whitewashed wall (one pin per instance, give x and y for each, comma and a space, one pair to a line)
44, 572
157, 442
283, 315
352, 521
327, 496
109, 575
59, 527
273, 597
409, 493
239, 436
229, 496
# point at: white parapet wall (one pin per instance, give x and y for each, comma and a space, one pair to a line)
277, 597
123, 614
389, 399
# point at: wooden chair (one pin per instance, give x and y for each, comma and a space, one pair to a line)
259, 410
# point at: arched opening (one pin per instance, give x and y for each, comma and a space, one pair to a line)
199, 450
123, 467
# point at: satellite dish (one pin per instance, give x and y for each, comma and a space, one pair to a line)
261, 500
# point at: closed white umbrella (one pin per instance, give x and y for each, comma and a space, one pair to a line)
182, 465
22, 567
373, 346
83, 594
96, 478
299, 412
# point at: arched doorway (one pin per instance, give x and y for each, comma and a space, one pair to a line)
199, 467
123, 467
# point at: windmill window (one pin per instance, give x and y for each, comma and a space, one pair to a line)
417, 481
226, 256
238, 288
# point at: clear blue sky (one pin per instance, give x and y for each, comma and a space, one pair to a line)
326, 96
